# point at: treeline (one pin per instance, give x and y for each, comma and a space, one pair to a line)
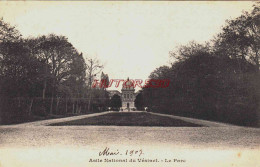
45, 75
218, 80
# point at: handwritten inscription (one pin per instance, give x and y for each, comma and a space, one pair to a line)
108, 152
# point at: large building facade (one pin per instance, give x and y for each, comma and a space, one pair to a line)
127, 95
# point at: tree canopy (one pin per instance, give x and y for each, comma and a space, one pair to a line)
218, 80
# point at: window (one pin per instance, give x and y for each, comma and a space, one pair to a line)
128, 96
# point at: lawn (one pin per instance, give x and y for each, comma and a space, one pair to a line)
129, 119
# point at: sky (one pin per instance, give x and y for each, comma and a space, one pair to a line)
131, 39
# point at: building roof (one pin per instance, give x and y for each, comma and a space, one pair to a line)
128, 85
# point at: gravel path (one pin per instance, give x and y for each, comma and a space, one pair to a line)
196, 121
50, 121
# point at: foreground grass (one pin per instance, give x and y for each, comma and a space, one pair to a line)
129, 119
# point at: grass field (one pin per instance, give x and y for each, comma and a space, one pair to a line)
129, 119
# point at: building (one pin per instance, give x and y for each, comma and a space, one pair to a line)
127, 95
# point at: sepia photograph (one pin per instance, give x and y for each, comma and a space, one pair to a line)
129, 83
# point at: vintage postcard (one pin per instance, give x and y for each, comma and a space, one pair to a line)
129, 83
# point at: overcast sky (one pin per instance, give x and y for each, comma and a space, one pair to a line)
130, 38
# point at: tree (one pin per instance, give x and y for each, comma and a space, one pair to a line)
58, 54
139, 101
75, 84
116, 102
21, 70
184, 52
43, 73
240, 38
21, 76
208, 84
93, 69
8, 32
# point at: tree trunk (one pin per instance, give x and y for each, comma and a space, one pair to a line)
73, 107
52, 96
66, 108
89, 100
57, 106
45, 81
77, 105
44, 89
79, 109
30, 107
51, 105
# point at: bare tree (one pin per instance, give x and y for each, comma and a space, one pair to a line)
93, 69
